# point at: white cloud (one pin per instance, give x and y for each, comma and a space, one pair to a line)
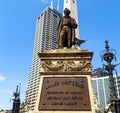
2, 78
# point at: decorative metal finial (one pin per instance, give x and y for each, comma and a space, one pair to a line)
108, 55
107, 46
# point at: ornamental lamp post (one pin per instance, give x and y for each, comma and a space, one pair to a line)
108, 55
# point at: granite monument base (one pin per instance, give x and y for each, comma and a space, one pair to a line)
65, 82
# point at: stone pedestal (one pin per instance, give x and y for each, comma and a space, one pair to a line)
65, 82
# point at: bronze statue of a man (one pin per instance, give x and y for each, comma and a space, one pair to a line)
66, 30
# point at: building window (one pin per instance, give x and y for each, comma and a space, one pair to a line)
73, 1
55, 15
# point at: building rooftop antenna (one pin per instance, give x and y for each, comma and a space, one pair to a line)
51, 4
58, 5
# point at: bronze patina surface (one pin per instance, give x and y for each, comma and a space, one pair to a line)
65, 93
66, 30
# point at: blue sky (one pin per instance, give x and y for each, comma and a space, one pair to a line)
99, 20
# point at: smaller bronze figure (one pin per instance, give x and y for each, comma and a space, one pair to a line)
66, 30
16, 101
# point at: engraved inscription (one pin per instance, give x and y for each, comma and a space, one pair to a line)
65, 93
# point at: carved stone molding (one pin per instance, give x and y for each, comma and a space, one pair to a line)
65, 62
65, 66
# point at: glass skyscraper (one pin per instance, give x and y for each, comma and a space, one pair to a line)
101, 89
117, 84
45, 39
100, 86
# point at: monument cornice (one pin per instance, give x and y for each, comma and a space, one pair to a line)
65, 54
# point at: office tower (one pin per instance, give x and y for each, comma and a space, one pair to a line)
45, 39
117, 84
72, 6
100, 86
101, 89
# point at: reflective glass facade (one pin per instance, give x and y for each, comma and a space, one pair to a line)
101, 88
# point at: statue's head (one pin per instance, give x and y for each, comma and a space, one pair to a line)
67, 11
